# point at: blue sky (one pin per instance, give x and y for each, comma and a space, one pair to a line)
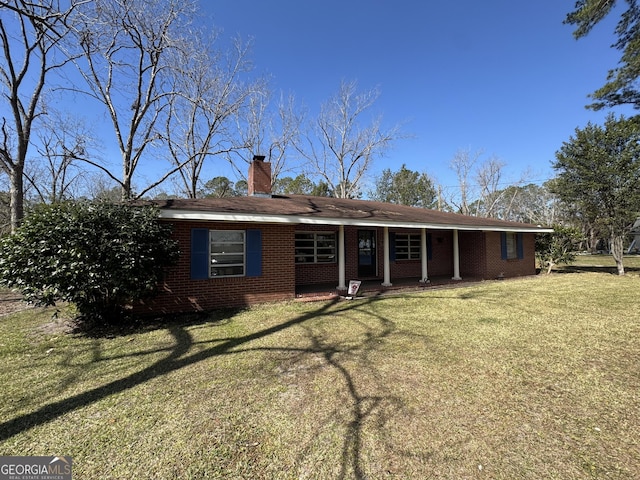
502, 76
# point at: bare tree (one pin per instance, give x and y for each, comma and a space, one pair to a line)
265, 131
126, 63
489, 178
482, 189
103, 188
341, 150
56, 174
463, 163
532, 204
30, 34
211, 93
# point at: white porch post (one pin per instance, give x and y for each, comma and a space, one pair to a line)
387, 268
424, 254
341, 263
456, 257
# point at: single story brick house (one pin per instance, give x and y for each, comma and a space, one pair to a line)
243, 250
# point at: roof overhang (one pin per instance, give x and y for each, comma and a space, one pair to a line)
199, 215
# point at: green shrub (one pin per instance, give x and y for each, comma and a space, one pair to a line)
99, 256
557, 247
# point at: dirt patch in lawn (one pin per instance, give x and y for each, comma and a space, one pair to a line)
11, 302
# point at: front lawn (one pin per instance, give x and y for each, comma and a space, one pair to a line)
531, 378
602, 263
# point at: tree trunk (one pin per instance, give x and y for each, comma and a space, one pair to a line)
593, 241
617, 251
551, 265
16, 198
126, 192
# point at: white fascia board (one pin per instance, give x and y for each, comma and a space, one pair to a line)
198, 215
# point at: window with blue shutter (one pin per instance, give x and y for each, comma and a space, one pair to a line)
199, 253
503, 245
511, 246
520, 246
225, 253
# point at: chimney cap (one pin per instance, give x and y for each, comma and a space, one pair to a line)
258, 158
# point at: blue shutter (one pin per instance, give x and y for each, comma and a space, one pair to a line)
199, 253
392, 247
503, 245
520, 246
254, 253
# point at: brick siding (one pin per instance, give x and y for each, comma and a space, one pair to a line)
480, 257
497, 267
473, 261
180, 292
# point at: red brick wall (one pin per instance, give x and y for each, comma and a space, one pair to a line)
480, 257
405, 269
473, 261
496, 266
441, 263
180, 293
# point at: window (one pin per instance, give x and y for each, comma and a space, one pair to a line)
315, 247
227, 253
407, 246
512, 242
512, 246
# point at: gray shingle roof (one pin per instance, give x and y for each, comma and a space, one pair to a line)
328, 211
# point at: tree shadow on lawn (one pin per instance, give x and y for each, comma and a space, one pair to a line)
335, 354
130, 323
612, 270
373, 408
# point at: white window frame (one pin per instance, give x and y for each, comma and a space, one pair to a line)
318, 251
216, 256
412, 243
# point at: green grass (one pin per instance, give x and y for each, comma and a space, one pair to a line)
601, 263
532, 378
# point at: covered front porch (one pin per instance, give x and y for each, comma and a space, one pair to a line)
327, 258
386, 282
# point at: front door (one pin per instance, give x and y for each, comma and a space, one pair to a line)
367, 266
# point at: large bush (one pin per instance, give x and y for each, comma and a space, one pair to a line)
557, 247
99, 256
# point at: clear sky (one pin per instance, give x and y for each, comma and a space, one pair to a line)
502, 76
